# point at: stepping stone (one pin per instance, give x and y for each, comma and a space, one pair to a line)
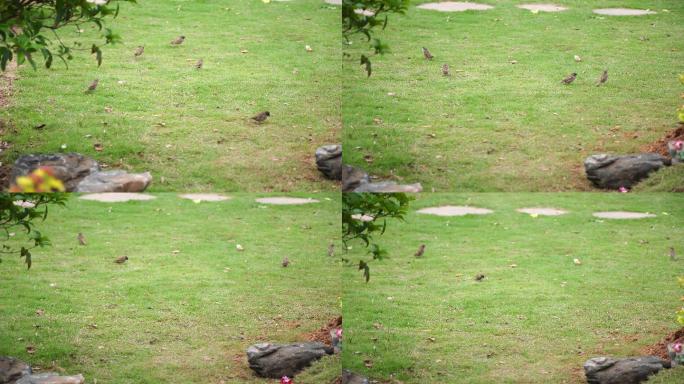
204, 197
455, 6
285, 200
451, 210
623, 12
542, 211
117, 197
542, 7
623, 215
334, 2
365, 218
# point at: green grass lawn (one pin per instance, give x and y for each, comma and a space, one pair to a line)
428, 321
499, 126
165, 317
192, 127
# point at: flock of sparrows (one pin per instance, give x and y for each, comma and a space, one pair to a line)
286, 261
568, 80
258, 118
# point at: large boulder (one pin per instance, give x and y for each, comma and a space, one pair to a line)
329, 161
12, 369
349, 377
71, 168
631, 370
613, 172
278, 360
352, 177
51, 378
114, 181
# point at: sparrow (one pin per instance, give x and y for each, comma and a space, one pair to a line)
569, 79
603, 79
427, 54
673, 257
93, 86
445, 69
139, 51
179, 40
420, 251
81, 239
331, 250
121, 259
199, 64
260, 118
285, 262
479, 277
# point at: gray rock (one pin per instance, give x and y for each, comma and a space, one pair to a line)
278, 360
114, 181
329, 161
349, 377
51, 378
613, 172
12, 369
631, 370
71, 168
389, 187
352, 177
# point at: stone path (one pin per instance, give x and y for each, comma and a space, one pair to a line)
623, 12
334, 2
451, 210
285, 200
542, 7
197, 197
116, 197
623, 215
455, 6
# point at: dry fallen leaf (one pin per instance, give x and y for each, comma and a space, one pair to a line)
308, 48
577, 262
577, 58
368, 158
40, 312
30, 349
239, 247
98, 147
368, 363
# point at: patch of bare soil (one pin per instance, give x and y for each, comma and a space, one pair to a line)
7, 79
660, 348
323, 334
660, 146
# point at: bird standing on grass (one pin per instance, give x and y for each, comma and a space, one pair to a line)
121, 259
420, 251
81, 239
285, 262
178, 40
427, 54
570, 78
445, 70
199, 64
603, 79
93, 86
479, 277
139, 51
261, 117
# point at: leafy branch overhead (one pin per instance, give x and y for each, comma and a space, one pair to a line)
19, 213
363, 16
33, 27
365, 215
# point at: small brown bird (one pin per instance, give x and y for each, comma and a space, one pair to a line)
121, 259
331, 250
93, 86
445, 70
139, 51
570, 78
260, 118
479, 277
285, 262
178, 40
427, 54
420, 251
603, 79
673, 257
199, 64
81, 239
